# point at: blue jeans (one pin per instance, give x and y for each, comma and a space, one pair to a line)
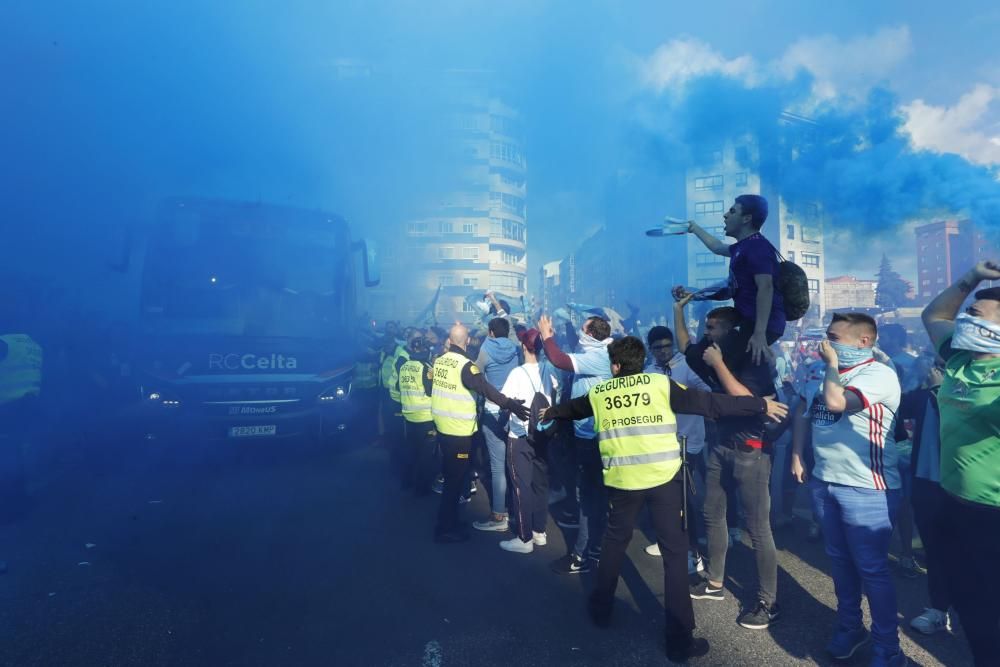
857, 524
593, 499
495, 435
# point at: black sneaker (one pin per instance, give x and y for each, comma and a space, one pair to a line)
760, 617
705, 591
567, 520
571, 564
600, 614
695, 648
451, 537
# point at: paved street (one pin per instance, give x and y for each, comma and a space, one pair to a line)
297, 555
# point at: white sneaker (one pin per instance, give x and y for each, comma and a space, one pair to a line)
931, 621
517, 546
491, 525
654, 550
695, 565
539, 539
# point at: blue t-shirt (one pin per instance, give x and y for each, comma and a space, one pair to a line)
753, 256
591, 367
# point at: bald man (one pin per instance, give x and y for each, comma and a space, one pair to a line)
453, 405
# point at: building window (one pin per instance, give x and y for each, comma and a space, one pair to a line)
708, 207
708, 182
467, 307
470, 228
740, 178
446, 280
470, 281
470, 252
445, 227
708, 282
790, 232
810, 259
717, 231
512, 181
713, 156
811, 234
416, 228
506, 280
742, 154
501, 150
446, 252
507, 257
790, 255
813, 286
708, 259
925, 282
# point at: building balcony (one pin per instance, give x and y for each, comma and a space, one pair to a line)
502, 242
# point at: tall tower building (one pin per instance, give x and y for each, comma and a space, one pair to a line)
475, 238
945, 250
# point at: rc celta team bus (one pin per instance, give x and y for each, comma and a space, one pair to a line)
248, 319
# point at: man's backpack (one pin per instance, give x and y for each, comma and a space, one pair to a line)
539, 403
793, 285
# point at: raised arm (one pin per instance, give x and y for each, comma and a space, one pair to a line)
837, 399
681, 335
559, 359
733, 387
939, 315
711, 241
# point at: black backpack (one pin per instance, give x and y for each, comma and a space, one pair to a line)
539, 403
793, 285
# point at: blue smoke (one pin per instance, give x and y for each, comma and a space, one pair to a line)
854, 159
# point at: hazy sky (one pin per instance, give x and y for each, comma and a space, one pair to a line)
113, 105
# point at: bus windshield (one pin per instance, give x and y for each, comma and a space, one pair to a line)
247, 277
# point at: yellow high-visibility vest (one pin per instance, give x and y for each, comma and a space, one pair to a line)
452, 405
636, 431
21, 369
390, 376
416, 404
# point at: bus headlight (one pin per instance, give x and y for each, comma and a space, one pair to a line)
339, 392
161, 398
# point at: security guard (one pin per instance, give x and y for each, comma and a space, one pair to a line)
392, 416
636, 431
416, 376
453, 407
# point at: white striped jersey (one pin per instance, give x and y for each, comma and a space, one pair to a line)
859, 449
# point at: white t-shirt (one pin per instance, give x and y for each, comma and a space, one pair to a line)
522, 383
859, 449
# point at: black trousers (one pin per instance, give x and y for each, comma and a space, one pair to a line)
455, 450
972, 536
421, 448
928, 515
665, 507
392, 420
529, 473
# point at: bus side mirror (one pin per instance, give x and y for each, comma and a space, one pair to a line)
369, 256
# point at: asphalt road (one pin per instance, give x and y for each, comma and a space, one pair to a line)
295, 555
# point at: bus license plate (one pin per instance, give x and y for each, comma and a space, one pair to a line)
245, 431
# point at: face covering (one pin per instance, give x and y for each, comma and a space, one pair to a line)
976, 335
848, 355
